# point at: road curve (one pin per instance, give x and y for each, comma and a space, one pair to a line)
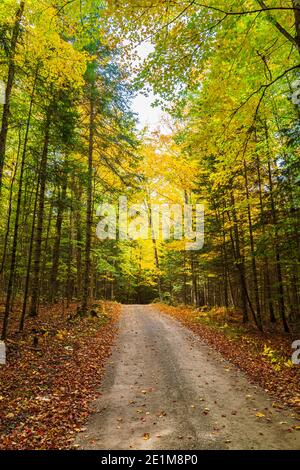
165, 389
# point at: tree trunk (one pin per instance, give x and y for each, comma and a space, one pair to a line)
277, 254
78, 195
17, 219
155, 251
10, 207
40, 217
296, 5
225, 263
266, 261
235, 241
9, 87
56, 246
29, 259
252, 249
89, 218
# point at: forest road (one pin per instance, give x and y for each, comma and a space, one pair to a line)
166, 389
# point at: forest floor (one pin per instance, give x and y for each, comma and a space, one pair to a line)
46, 388
165, 388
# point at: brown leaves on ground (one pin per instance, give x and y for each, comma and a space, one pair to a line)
246, 349
46, 391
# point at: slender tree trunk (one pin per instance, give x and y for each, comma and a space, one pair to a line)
78, 195
266, 261
68, 285
225, 263
40, 217
9, 87
159, 286
296, 5
10, 207
252, 249
235, 241
194, 281
277, 254
29, 259
241, 266
44, 249
155, 250
17, 219
56, 246
89, 218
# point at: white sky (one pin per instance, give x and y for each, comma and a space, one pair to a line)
147, 115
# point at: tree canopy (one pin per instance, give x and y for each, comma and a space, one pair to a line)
227, 75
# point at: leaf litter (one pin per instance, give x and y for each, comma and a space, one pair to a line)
47, 391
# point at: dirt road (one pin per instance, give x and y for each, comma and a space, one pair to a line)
165, 389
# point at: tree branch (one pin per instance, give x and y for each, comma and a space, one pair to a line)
277, 25
246, 12
264, 89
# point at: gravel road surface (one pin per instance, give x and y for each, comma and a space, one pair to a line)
166, 389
